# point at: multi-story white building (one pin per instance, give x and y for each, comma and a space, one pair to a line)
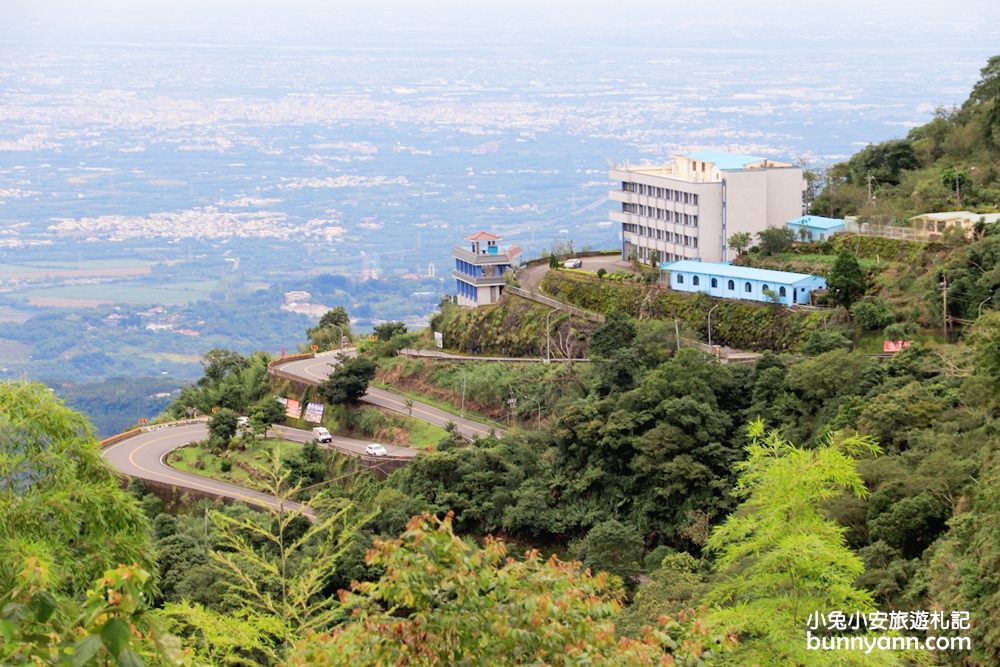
688, 209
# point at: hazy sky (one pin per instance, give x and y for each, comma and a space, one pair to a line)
940, 25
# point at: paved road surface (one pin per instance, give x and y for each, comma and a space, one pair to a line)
143, 456
315, 370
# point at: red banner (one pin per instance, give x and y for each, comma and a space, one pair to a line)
293, 408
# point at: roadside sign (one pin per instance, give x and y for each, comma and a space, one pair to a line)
438, 340
314, 348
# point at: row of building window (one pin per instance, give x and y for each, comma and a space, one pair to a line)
661, 235
647, 254
730, 285
661, 214
467, 290
660, 193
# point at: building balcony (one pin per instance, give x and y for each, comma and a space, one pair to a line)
484, 281
480, 260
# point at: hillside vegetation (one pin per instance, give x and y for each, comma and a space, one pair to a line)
950, 163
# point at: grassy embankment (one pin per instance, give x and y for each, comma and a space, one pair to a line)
488, 386
200, 460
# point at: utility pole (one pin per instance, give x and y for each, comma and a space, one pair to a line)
710, 325
944, 304
677, 333
870, 200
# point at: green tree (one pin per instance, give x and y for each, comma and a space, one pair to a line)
825, 340
111, 626
332, 328
740, 241
616, 333
219, 362
779, 557
963, 565
335, 317
873, 314
445, 601
265, 413
884, 162
222, 428
612, 547
675, 585
387, 330
349, 380
59, 502
276, 572
846, 280
775, 240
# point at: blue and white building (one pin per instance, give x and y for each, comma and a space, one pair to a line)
480, 269
817, 227
726, 281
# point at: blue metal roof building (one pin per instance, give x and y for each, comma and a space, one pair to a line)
726, 281
818, 227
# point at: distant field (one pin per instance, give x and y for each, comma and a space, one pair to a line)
84, 296
13, 315
175, 357
13, 351
88, 269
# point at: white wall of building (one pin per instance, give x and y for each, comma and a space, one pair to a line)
755, 198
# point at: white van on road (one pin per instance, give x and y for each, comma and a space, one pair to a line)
322, 435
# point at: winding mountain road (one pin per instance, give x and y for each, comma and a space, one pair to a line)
316, 369
143, 456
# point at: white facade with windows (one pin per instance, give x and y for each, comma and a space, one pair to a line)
689, 208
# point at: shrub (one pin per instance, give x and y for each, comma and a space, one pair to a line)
872, 315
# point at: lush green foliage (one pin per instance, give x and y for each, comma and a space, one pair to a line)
775, 240
111, 626
333, 327
444, 601
740, 241
739, 324
516, 327
846, 280
231, 381
59, 503
946, 164
779, 558
348, 381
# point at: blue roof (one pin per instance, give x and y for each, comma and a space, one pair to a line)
723, 160
730, 271
816, 222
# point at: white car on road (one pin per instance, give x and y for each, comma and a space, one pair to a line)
574, 263
375, 449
